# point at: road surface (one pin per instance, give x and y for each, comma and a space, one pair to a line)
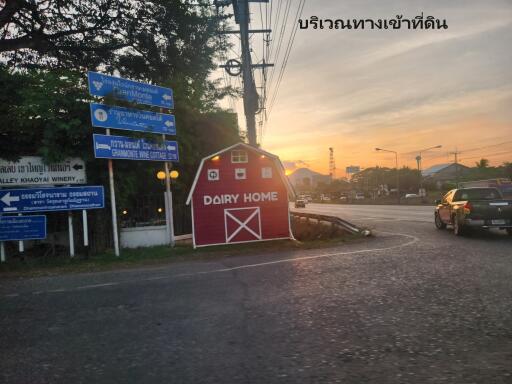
410, 305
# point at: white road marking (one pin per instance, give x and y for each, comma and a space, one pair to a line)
96, 285
412, 240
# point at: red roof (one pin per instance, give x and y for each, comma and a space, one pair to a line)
271, 156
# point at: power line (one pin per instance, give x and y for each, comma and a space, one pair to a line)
287, 55
487, 155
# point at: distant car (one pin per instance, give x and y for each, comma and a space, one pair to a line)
359, 196
411, 195
300, 203
325, 198
343, 198
308, 198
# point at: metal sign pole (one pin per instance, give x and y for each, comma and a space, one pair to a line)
21, 246
86, 228
71, 235
113, 203
169, 216
2, 252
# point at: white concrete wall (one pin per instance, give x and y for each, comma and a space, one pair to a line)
146, 236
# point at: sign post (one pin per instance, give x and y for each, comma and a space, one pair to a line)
106, 116
71, 235
129, 90
51, 199
31, 170
121, 147
168, 205
113, 203
85, 228
21, 246
19, 228
127, 148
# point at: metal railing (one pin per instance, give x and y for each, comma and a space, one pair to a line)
334, 220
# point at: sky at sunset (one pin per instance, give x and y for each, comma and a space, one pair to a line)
402, 90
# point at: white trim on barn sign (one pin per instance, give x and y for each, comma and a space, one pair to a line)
279, 165
244, 242
242, 224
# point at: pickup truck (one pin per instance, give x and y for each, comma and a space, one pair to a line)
474, 207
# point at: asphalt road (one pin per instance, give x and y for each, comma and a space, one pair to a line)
411, 305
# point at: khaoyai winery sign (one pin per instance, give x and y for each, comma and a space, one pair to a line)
31, 170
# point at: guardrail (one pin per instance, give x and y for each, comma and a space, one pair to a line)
334, 220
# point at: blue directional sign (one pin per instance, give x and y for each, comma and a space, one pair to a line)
106, 116
22, 228
51, 199
133, 91
122, 147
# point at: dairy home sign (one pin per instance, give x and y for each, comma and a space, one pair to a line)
240, 194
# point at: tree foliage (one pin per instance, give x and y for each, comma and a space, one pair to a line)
46, 48
370, 179
66, 32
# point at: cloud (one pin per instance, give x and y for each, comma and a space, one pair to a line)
292, 165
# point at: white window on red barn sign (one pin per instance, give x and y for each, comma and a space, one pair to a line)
240, 174
213, 175
266, 172
239, 156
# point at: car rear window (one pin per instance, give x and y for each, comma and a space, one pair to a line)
477, 194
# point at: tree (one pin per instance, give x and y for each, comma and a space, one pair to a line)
482, 164
507, 169
66, 32
44, 99
371, 179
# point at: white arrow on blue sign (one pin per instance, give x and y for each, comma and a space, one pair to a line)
51, 199
106, 116
127, 148
22, 228
129, 90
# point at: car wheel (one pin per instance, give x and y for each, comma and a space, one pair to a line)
458, 228
439, 223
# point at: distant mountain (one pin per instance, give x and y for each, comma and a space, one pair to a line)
307, 177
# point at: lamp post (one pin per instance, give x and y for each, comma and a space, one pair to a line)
173, 175
397, 173
419, 159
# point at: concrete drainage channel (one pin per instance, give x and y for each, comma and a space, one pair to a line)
334, 221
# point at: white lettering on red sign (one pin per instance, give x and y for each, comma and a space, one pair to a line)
255, 197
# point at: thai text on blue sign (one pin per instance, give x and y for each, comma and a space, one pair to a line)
106, 116
129, 90
127, 148
22, 228
51, 199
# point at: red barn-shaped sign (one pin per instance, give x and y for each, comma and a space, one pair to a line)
239, 195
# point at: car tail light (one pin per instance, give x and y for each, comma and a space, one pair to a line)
468, 207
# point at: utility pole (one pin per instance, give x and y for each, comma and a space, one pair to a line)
419, 160
332, 164
250, 95
397, 171
456, 162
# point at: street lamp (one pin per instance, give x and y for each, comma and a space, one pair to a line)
419, 158
168, 176
397, 173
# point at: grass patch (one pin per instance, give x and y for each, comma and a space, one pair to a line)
310, 236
